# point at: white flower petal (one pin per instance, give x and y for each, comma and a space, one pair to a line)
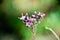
22, 18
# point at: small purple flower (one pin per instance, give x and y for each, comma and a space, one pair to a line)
22, 18
33, 19
28, 23
26, 18
41, 14
33, 16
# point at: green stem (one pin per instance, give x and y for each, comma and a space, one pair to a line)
52, 32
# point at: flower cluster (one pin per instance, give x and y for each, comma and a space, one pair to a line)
33, 19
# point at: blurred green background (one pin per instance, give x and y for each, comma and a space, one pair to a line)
10, 10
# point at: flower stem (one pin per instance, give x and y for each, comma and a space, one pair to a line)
34, 32
52, 32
